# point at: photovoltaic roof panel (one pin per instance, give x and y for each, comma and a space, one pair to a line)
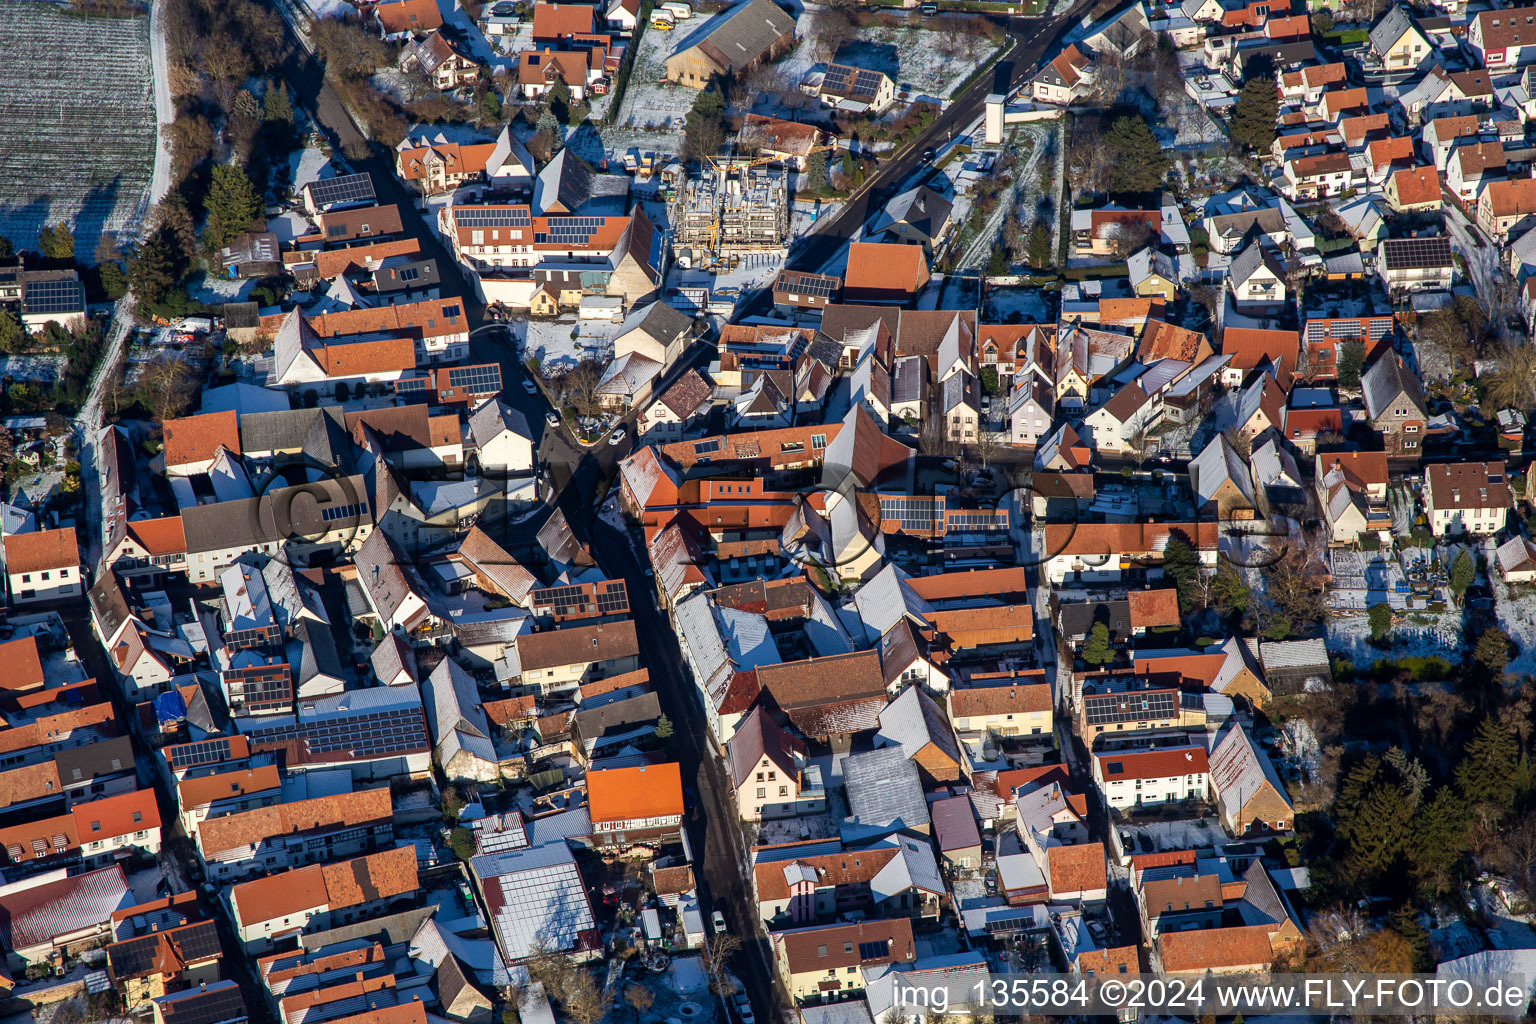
492, 217
613, 599
53, 297
481, 379
188, 755
412, 384
349, 188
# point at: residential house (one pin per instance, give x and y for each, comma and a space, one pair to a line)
1466, 497
1473, 167
1134, 778
1416, 264
1413, 190
447, 64
1352, 493
1397, 43
918, 726
917, 216
857, 90
826, 963
1249, 793
1001, 707
398, 19
641, 805
769, 771
43, 565
280, 836
1117, 426
1506, 208
51, 915
883, 272
1394, 404
1069, 76
1256, 281
283, 906
562, 659
1494, 37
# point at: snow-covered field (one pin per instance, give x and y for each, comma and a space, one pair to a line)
1028, 303
44, 368
925, 62
561, 344
1433, 634
329, 8
218, 290
649, 101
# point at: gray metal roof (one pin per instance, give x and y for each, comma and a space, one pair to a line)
884, 789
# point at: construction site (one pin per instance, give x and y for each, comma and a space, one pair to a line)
732, 208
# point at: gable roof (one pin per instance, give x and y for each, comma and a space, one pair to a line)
197, 438
758, 736
884, 269
409, 16
645, 791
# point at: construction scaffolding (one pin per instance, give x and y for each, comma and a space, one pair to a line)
733, 207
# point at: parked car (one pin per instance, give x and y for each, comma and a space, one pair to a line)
718, 920
530, 387
617, 437
552, 418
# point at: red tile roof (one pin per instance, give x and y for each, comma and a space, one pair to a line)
318, 815
556, 21
979, 701
882, 270
205, 789
198, 438
23, 668
624, 794
164, 536
1416, 185
1077, 868
1153, 608
1163, 763
42, 549
1215, 948
409, 16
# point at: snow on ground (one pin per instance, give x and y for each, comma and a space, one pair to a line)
1027, 302
1515, 608
754, 270
649, 100
926, 63
288, 226
307, 165
165, 104
1425, 634
215, 291
329, 8
562, 343
39, 367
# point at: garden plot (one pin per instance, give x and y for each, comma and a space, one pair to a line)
925, 62
77, 98
562, 344
650, 101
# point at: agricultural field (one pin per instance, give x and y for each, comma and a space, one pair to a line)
77, 97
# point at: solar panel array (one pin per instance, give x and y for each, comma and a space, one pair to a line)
204, 1007
613, 598
977, 519
816, 286
482, 379
569, 230
367, 734
492, 217
199, 752
1129, 707
336, 513
913, 513
53, 297
349, 188
1404, 253
705, 447
411, 384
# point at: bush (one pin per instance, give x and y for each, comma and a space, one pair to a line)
462, 842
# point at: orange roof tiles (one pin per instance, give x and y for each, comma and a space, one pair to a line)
335, 262
978, 627
409, 16
317, 815
1153, 607
23, 668
1115, 960
625, 794
58, 726
357, 358
985, 701
843, 868
1250, 346
1163, 340
205, 789
280, 895
1213, 948
42, 549
1122, 538
882, 270
164, 536
556, 21
1416, 186
375, 876
29, 782
1077, 868
198, 438
430, 318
